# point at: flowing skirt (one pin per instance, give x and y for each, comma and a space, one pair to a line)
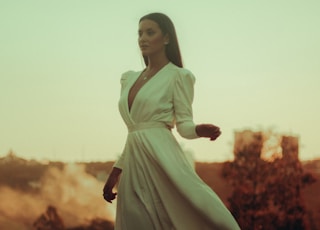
159, 188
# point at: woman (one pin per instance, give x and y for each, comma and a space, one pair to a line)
159, 188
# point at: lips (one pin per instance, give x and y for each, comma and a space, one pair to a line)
143, 46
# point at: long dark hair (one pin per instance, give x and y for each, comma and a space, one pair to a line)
167, 27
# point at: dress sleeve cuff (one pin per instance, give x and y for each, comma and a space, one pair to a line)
119, 162
187, 130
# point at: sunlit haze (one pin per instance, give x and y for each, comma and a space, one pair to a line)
256, 65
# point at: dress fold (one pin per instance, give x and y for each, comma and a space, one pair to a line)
159, 189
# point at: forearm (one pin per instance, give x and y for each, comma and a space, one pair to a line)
113, 177
116, 171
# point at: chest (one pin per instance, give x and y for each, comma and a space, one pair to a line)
153, 93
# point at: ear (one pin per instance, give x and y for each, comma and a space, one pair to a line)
166, 39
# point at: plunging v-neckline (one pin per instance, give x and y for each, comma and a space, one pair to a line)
129, 105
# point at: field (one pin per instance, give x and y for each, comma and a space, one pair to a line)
31, 191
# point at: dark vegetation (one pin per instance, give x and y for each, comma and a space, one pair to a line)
267, 192
278, 194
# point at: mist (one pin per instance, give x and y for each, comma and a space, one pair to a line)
76, 195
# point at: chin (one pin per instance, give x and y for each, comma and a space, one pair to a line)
145, 52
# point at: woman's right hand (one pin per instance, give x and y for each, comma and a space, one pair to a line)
108, 193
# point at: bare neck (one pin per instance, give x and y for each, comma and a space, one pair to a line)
156, 63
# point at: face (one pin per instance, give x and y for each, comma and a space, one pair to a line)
151, 39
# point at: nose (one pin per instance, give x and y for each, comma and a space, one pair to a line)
142, 38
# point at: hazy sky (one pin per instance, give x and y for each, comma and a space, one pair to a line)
257, 65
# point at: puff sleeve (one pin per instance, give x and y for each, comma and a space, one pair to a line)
182, 103
124, 80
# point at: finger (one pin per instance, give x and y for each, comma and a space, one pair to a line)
108, 200
109, 196
218, 131
212, 138
215, 135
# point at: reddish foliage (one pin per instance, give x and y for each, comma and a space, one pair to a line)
267, 195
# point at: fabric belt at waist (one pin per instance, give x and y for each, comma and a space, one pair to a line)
147, 125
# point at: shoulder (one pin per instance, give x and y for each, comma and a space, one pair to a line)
181, 74
126, 76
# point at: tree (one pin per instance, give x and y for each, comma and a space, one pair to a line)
267, 192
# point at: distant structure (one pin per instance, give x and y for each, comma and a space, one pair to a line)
290, 147
267, 178
265, 146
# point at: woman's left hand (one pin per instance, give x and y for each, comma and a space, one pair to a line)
208, 130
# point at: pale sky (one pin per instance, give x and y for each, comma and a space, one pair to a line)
257, 65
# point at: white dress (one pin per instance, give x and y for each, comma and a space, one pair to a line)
159, 189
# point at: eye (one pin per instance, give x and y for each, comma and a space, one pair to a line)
150, 32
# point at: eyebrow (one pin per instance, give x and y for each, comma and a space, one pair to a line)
148, 29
